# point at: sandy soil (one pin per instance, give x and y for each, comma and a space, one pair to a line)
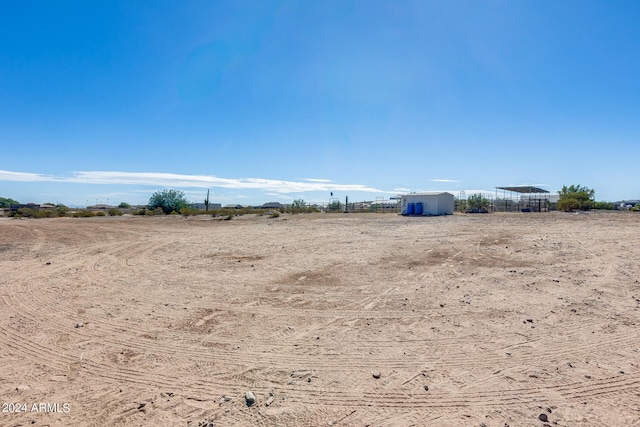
495, 320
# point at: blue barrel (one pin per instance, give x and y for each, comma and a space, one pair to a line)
409, 209
418, 210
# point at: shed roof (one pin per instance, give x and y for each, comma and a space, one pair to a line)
523, 189
429, 193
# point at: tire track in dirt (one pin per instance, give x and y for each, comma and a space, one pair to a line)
262, 362
110, 374
239, 379
111, 330
34, 298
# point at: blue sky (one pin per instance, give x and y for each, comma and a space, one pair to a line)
278, 100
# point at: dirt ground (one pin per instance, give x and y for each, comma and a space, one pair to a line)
469, 320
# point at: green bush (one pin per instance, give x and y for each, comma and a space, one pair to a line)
101, 213
168, 201
274, 214
114, 211
575, 197
568, 204
604, 205
6, 202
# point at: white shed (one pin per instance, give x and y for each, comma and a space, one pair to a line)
432, 203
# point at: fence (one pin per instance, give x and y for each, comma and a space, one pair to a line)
386, 206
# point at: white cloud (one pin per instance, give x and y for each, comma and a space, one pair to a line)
25, 177
316, 180
445, 180
401, 190
156, 179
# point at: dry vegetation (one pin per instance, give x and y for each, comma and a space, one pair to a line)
468, 320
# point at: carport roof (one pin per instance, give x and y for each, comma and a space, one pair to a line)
527, 189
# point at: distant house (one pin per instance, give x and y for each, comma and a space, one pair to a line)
233, 206
33, 206
626, 204
272, 205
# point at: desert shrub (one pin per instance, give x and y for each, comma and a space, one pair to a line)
33, 213
189, 211
298, 205
228, 217
603, 205
84, 213
149, 212
45, 214
62, 210
460, 205
114, 211
274, 214
25, 213
101, 213
244, 211
477, 203
140, 212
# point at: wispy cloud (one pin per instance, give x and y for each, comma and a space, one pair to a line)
316, 180
445, 180
26, 177
401, 190
157, 179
